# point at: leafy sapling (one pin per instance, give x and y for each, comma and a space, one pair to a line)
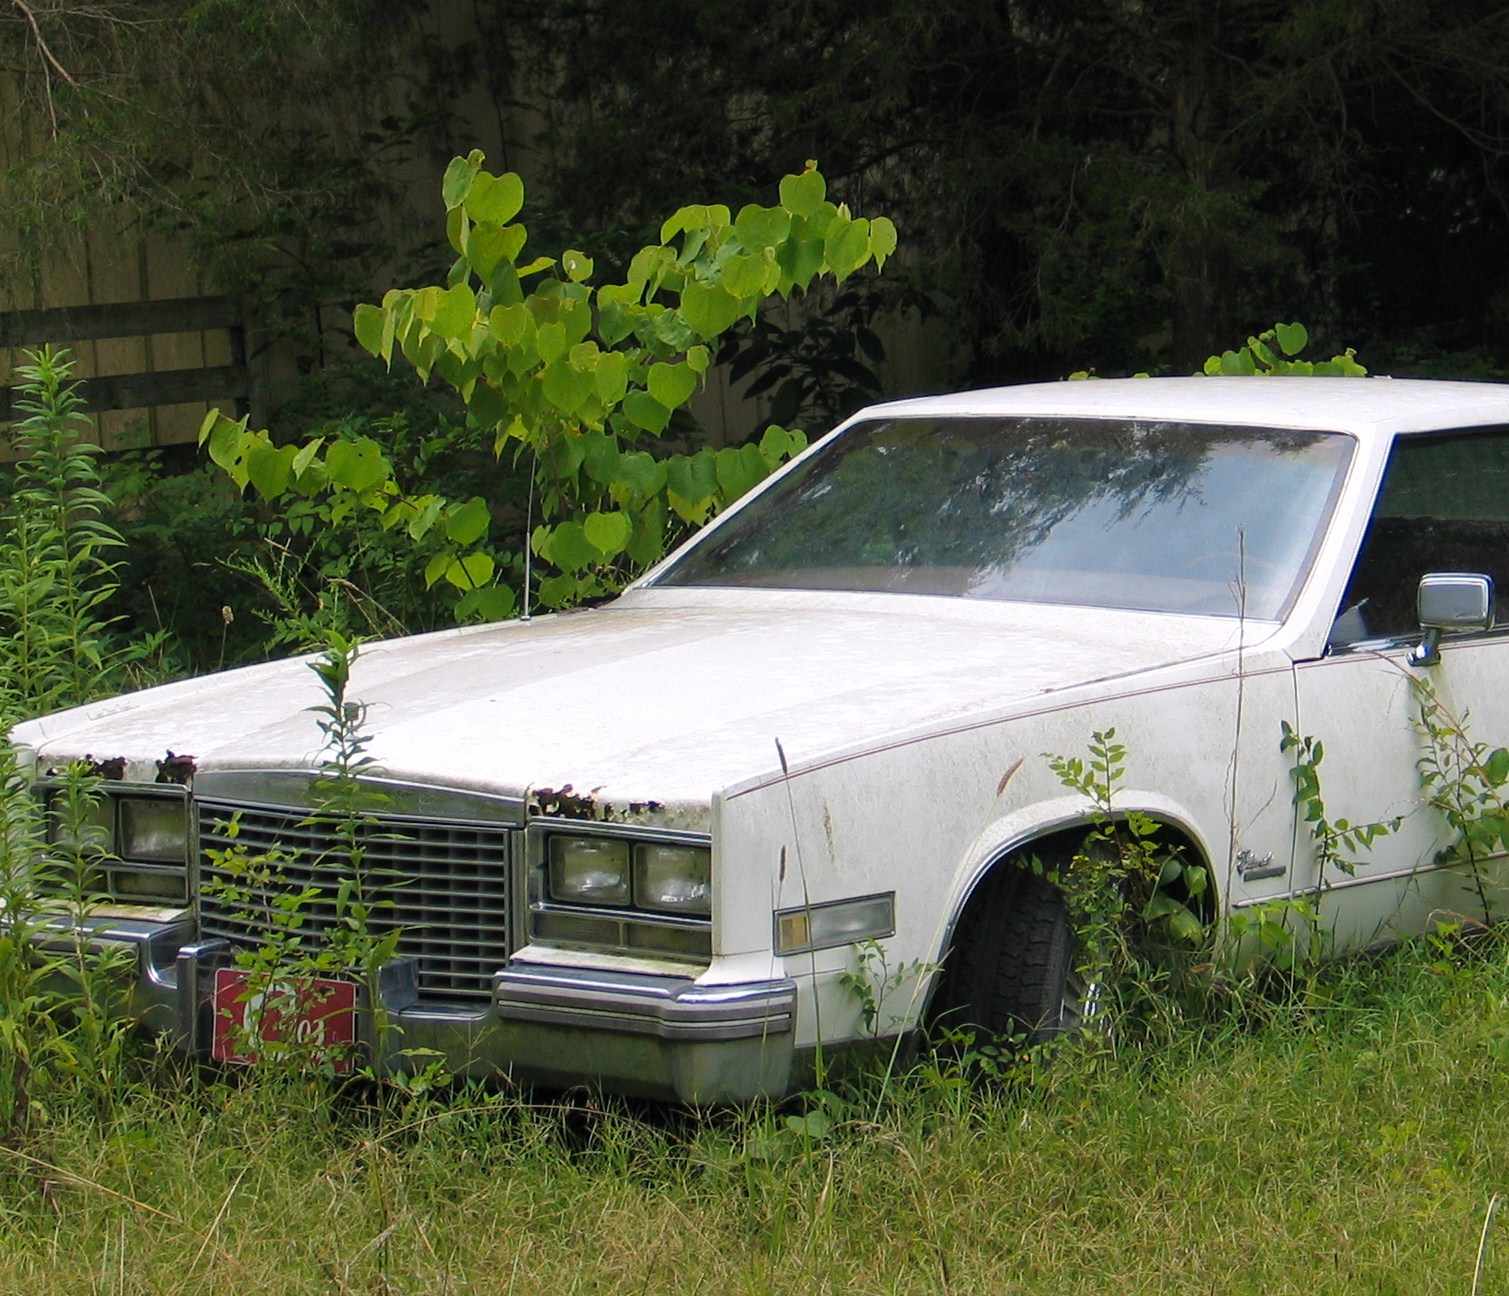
57, 570
323, 916
1134, 900
1125, 869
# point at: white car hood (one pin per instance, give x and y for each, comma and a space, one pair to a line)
659, 696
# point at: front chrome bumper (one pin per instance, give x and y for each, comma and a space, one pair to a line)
630, 1033
698, 1044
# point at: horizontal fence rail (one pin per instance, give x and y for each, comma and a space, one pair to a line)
69, 324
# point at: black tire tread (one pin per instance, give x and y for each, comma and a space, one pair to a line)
1010, 960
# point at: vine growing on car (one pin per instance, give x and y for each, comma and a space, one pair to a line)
1467, 783
1335, 841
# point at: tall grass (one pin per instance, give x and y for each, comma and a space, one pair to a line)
1345, 1138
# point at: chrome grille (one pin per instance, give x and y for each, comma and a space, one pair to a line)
443, 885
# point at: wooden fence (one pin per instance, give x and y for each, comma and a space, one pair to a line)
183, 352
201, 383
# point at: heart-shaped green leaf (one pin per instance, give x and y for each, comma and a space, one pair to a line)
608, 532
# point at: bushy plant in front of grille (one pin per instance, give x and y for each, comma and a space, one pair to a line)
314, 919
445, 886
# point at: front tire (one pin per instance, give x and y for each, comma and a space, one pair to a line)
1011, 969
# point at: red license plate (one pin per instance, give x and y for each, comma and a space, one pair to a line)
308, 1017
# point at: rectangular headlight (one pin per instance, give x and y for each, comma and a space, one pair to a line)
590, 870
673, 878
87, 830
153, 828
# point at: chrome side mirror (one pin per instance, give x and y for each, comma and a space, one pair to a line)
1450, 601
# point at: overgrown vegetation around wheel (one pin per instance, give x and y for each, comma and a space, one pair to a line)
1065, 930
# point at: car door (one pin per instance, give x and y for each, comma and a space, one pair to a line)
1395, 736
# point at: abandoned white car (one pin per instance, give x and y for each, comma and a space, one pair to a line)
639, 847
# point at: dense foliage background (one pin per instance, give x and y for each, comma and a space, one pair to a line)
1114, 182
1114, 185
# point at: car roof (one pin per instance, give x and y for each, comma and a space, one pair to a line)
1367, 407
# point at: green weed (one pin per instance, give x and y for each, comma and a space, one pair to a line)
57, 552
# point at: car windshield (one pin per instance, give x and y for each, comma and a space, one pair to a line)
1166, 517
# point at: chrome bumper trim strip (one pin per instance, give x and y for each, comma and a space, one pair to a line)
669, 1008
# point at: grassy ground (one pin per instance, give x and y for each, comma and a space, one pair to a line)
1350, 1138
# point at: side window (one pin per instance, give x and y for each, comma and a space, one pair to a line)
1444, 506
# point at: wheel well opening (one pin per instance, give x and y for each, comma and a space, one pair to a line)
1013, 879
1062, 844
